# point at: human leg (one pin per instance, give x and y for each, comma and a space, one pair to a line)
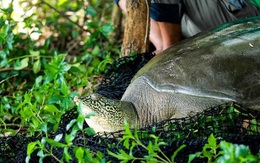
122, 5
164, 34
167, 16
165, 28
155, 36
171, 34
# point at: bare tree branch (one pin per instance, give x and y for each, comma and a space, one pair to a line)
63, 15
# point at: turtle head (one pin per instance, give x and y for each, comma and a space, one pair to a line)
109, 113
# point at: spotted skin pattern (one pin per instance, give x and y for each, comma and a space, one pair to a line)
110, 114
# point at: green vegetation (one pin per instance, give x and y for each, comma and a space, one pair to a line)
212, 151
81, 154
155, 154
51, 51
225, 152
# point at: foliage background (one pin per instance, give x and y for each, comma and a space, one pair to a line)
50, 52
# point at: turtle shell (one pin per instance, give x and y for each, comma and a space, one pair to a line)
209, 69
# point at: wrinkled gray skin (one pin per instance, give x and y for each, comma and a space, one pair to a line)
201, 72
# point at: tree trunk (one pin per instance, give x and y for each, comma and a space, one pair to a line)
137, 27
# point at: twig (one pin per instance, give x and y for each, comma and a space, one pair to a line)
81, 27
8, 78
12, 69
19, 129
147, 21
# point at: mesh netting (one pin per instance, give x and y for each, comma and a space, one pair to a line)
120, 73
230, 122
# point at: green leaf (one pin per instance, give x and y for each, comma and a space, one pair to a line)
193, 156
95, 51
126, 143
151, 149
88, 155
75, 34
66, 154
27, 159
51, 108
101, 155
80, 121
38, 96
151, 159
127, 129
10, 41
34, 53
241, 150
79, 154
61, 2
91, 11
121, 156
91, 114
107, 28
44, 127
74, 130
64, 88
31, 147
50, 72
72, 122
22, 64
58, 137
90, 131
177, 151
212, 141
65, 103
69, 138
92, 24
55, 143
133, 145
209, 150
27, 97
55, 99
38, 81
236, 153
40, 154
65, 67
37, 66
4, 31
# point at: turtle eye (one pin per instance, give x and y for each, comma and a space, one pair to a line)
93, 97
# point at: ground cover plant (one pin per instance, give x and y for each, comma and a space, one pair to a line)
51, 51
38, 76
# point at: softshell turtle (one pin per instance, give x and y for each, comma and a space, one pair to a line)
207, 70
